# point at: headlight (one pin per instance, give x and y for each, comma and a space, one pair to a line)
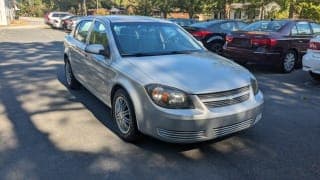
254, 85
168, 97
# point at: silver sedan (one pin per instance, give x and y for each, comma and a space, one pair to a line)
159, 80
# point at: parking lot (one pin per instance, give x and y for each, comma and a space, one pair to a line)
50, 132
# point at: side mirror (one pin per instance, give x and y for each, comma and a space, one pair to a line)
97, 49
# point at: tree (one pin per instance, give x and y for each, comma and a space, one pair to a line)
142, 7
165, 6
191, 7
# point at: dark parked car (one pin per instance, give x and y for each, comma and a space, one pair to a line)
280, 43
183, 22
212, 33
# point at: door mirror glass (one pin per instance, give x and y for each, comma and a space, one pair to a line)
97, 49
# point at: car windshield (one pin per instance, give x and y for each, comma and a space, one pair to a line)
143, 39
272, 26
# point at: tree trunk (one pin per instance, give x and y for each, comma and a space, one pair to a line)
84, 8
190, 14
165, 14
291, 10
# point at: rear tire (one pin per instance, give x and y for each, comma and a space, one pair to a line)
289, 62
72, 82
315, 76
216, 47
124, 116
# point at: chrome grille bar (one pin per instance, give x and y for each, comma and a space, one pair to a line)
224, 93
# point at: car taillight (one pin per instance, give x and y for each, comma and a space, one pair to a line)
264, 42
201, 34
314, 45
229, 38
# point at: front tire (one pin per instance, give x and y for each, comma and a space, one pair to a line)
124, 116
289, 62
72, 82
315, 76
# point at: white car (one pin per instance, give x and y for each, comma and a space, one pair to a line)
54, 18
311, 60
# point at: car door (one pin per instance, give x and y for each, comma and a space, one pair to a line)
77, 50
99, 65
301, 34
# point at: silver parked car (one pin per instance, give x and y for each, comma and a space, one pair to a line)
159, 80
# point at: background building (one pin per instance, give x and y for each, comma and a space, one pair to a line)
7, 11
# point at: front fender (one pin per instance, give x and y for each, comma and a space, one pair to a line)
135, 92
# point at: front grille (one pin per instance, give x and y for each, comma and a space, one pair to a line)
181, 135
227, 102
224, 93
225, 98
221, 131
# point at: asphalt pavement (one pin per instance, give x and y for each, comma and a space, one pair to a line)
50, 132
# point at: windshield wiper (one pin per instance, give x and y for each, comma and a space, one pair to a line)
139, 54
182, 52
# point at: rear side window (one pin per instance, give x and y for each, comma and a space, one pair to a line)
303, 28
272, 26
315, 28
82, 31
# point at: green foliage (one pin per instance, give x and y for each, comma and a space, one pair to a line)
307, 9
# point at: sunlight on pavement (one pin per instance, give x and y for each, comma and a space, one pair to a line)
194, 154
8, 138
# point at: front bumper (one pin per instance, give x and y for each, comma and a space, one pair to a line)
255, 57
311, 63
195, 125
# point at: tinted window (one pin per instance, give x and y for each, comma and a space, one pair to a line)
59, 15
241, 25
303, 28
265, 26
152, 39
82, 31
228, 26
206, 24
315, 28
294, 30
98, 34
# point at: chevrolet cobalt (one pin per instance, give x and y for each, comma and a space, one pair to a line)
159, 80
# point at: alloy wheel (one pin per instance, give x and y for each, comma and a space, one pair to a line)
122, 115
289, 62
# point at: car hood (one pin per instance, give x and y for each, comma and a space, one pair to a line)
194, 73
